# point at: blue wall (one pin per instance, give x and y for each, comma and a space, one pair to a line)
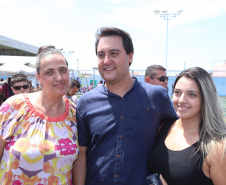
220, 83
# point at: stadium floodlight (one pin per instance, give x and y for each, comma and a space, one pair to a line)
165, 15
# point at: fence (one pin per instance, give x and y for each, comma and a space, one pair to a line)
92, 77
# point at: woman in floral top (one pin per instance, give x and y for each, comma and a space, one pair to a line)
38, 131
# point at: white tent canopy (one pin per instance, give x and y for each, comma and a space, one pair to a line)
9, 69
13, 47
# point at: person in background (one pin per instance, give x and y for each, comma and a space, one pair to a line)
100, 83
156, 75
20, 84
73, 89
1, 84
2, 81
91, 87
1, 98
191, 150
84, 89
118, 121
38, 87
7, 90
31, 89
38, 131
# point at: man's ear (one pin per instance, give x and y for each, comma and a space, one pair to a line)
130, 58
12, 89
147, 79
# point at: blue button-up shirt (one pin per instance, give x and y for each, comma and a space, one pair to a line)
120, 132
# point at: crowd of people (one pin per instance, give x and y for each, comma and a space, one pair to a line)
116, 134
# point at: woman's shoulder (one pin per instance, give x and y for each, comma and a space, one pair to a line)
15, 100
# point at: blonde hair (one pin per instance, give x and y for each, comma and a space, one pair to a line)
213, 128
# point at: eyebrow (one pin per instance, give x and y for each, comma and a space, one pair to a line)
193, 91
110, 50
49, 69
114, 50
189, 91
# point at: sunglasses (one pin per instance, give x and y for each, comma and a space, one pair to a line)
162, 78
19, 87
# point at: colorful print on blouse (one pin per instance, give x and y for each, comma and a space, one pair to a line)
39, 150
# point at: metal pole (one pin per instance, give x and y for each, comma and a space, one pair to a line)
165, 15
166, 39
77, 65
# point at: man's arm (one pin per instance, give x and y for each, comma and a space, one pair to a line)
79, 167
168, 109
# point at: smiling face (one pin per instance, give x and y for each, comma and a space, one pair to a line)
187, 99
54, 75
113, 61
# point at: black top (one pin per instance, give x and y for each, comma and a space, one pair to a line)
182, 167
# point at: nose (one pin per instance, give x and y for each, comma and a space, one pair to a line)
58, 76
107, 59
182, 98
166, 81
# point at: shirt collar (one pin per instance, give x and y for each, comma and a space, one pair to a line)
106, 91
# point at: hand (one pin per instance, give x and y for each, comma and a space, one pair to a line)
163, 180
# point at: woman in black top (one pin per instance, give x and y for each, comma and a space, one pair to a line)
191, 150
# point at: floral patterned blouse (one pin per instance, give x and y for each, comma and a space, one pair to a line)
39, 150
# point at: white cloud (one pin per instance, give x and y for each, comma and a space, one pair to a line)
62, 5
142, 17
71, 25
116, 1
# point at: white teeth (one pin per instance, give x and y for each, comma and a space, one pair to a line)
109, 69
182, 107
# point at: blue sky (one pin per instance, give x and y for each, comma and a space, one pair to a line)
196, 38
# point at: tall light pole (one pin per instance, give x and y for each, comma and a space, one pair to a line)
77, 65
165, 15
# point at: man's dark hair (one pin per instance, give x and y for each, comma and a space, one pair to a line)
111, 31
75, 83
151, 70
18, 78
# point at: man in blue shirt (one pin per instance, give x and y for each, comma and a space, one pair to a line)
118, 122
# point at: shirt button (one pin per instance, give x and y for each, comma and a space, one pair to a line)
120, 136
116, 176
148, 109
121, 117
117, 156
